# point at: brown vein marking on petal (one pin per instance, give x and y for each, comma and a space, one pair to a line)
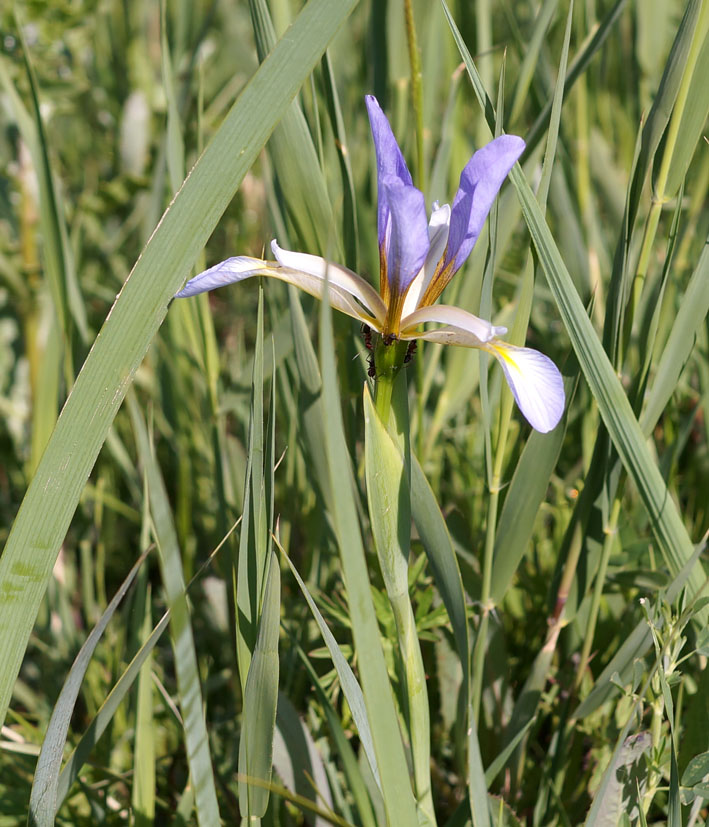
383, 276
439, 281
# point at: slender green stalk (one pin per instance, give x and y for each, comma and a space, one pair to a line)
388, 361
416, 92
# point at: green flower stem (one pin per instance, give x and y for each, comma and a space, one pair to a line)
390, 512
388, 361
416, 92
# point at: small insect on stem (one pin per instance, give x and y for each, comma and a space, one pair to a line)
410, 351
367, 336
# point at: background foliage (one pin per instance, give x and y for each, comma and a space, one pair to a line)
584, 619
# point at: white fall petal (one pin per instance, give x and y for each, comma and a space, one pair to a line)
535, 382
341, 297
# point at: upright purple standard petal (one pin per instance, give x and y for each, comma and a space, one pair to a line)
480, 182
406, 235
390, 161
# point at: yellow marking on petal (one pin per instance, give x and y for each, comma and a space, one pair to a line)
504, 353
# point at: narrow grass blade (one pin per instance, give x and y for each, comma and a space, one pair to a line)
623, 427
295, 160
58, 260
143, 797
531, 57
260, 701
104, 716
393, 771
186, 668
351, 767
477, 786
297, 759
692, 313
350, 687
45, 796
249, 573
350, 234
436, 541
51, 499
525, 494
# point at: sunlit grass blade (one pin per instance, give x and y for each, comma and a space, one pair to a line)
691, 314
260, 701
589, 48
104, 716
58, 259
477, 786
49, 504
186, 667
526, 492
295, 160
350, 687
350, 233
144, 775
629, 441
531, 57
388, 747
44, 798
297, 760
352, 769
436, 541
250, 568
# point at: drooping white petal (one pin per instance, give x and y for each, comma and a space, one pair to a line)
535, 382
239, 268
438, 238
230, 271
461, 327
337, 275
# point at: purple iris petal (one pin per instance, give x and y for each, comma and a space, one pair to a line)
390, 161
406, 235
480, 182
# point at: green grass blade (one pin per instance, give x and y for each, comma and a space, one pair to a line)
186, 667
436, 541
104, 716
51, 499
44, 798
144, 775
526, 493
260, 701
253, 560
58, 259
531, 57
350, 687
613, 404
295, 160
692, 312
298, 760
477, 786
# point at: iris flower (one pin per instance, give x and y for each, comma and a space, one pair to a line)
417, 259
